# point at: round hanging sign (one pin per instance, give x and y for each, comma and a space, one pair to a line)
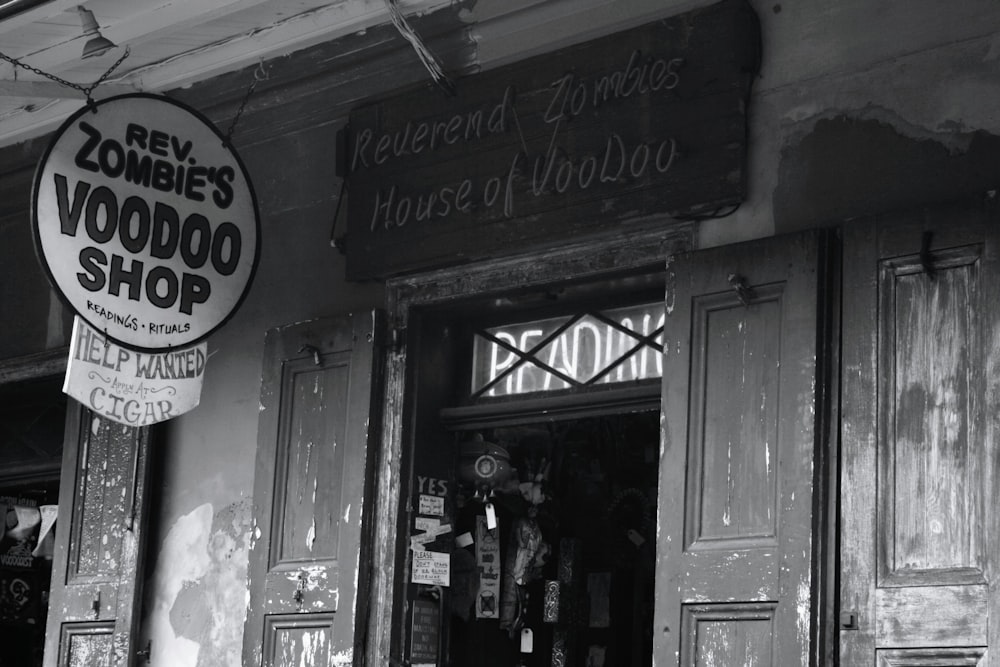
146, 221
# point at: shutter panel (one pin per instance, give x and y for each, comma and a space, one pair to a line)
735, 545
97, 568
317, 424
919, 433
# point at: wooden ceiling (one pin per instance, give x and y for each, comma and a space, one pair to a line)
171, 43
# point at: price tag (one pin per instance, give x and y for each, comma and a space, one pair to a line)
491, 516
527, 640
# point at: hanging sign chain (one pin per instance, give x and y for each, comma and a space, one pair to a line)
425, 55
259, 74
86, 90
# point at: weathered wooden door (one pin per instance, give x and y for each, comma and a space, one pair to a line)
316, 427
734, 578
920, 541
97, 568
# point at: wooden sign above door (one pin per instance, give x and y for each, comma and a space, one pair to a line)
647, 122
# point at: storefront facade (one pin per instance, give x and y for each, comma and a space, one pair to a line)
668, 338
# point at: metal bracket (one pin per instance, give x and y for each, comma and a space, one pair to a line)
299, 594
314, 351
848, 620
926, 263
145, 653
743, 291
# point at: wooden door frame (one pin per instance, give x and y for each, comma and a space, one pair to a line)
643, 244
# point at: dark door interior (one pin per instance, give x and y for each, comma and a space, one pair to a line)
32, 415
529, 524
576, 516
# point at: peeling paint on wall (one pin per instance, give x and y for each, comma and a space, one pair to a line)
197, 612
183, 558
872, 161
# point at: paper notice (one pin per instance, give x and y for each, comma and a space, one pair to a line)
46, 535
426, 523
431, 567
433, 505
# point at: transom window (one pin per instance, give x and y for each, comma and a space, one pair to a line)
579, 350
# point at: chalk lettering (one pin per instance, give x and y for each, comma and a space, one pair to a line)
491, 191
392, 210
412, 139
555, 171
557, 105
616, 158
638, 77
512, 173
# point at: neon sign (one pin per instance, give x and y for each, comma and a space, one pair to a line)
613, 346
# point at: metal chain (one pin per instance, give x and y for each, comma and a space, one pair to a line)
260, 74
239, 112
86, 90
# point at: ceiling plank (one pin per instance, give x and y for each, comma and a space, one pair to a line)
283, 33
176, 16
293, 33
50, 90
40, 13
147, 22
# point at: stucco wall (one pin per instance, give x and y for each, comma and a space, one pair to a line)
196, 593
861, 109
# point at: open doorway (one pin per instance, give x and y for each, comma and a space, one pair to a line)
531, 510
32, 419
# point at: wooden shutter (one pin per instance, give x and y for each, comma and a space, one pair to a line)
919, 430
97, 568
317, 424
734, 574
